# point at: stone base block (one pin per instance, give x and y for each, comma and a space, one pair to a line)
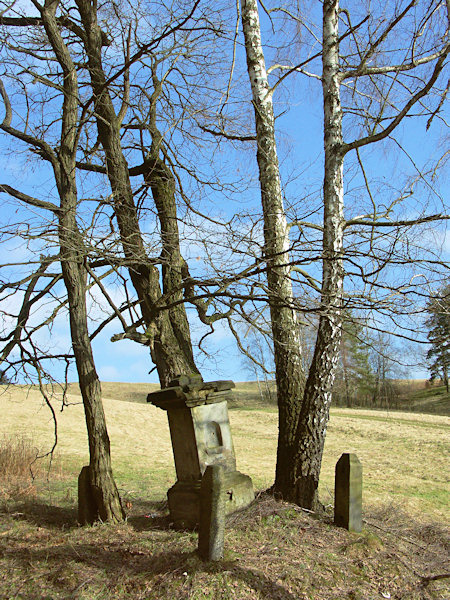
184, 498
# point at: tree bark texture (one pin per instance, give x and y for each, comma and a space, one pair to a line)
285, 328
167, 330
303, 420
301, 485
103, 486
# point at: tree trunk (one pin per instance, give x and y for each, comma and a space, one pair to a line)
302, 485
102, 482
285, 329
162, 183
106, 496
302, 423
167, 330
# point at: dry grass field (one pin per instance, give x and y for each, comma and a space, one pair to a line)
273, 550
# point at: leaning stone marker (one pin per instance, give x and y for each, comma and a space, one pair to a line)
87, 509
348, 493
201, 436
212, 513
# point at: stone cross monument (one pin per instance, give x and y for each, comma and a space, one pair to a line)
201, 436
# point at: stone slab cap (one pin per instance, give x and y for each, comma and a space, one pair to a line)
187, 381
189, 392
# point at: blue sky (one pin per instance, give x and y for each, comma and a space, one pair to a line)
299, 130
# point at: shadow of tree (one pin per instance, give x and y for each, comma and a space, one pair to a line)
146, 516
112, 555
258, 582
156, 567
43, 515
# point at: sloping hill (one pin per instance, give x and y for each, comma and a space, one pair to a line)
129, 392
404, 455
432, 400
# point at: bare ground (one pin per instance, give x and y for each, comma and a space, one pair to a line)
273, 550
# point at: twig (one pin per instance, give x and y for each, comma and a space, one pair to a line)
396, 534
426, 579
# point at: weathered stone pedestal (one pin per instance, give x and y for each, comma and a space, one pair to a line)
201, 436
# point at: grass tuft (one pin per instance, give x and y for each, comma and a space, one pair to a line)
17, 454
22, 467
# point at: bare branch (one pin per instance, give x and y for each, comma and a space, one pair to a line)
106, 295
40, 147
64, 21
126, 83
8, 112
314, 283
400, 223
7, 189
15, 335
228, 136
440, 105
364, 71
301, 224
135, 336
385, 33
370, 139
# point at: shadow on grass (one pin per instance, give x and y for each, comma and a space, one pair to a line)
159, 569
145, 516
42, 514
115, 557
148, 515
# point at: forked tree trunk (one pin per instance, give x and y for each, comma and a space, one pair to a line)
303, 421
107, 505
285, 329
301, 485
167, 330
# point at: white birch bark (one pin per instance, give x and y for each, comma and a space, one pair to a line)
287, 349
299, 456
314, 415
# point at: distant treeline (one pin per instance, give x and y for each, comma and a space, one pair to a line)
415, 395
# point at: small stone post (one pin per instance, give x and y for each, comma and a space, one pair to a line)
212, 513
87, 508
348, 493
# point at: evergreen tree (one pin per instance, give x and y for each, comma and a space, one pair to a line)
438, 324
354, 378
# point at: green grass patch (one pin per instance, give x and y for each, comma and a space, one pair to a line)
272, 549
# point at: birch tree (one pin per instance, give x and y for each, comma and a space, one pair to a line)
424, 54
287, 351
